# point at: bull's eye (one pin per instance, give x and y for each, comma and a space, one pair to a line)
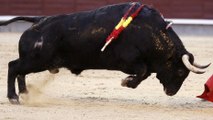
180, 72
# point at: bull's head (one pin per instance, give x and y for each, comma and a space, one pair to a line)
173, 62
173, 73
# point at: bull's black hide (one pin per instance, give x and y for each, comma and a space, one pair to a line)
74, 41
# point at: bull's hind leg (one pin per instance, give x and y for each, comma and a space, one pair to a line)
21, 84
12, 74
18, 69
134, 80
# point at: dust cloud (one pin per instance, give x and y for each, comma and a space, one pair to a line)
36, 95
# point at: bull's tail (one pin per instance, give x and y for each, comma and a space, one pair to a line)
28, 19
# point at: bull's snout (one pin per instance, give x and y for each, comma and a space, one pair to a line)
170, 92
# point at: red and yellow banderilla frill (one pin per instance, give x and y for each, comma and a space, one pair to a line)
124, 22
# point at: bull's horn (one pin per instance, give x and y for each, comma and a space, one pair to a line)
185, 59
201, 66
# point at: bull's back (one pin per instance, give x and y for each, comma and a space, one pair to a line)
85, 32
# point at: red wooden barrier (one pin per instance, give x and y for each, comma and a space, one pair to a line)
170, 8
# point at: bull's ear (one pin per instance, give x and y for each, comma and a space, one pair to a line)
169, 24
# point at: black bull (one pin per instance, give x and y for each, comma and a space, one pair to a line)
74, 41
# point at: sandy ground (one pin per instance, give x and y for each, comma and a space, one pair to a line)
98, 95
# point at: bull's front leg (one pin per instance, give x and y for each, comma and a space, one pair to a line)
134, 80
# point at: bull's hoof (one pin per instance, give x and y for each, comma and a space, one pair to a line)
14, 101
125, 81
130, 82
23, 91
54, 71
